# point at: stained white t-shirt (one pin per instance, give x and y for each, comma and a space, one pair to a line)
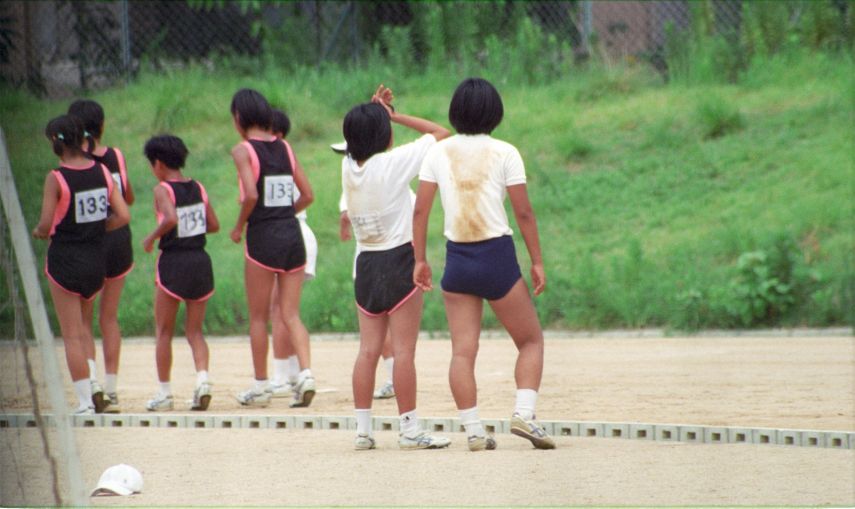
472, 173
377, 195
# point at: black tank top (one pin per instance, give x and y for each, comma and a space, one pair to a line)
190, 200
114, 162
274, 180
81, 214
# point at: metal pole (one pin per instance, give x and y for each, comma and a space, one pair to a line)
126, 40
587, 22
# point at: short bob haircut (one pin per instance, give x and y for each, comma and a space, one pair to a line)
252, 109
476, 107
367, 130
168, 149
280, 123
91, 114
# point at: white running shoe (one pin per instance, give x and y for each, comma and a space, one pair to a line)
532, 431
160, 402
385, 392
97, 397
304, 392
84, 410
486, 443
364, 443
276, 390
251, 397
423, 440
201, 397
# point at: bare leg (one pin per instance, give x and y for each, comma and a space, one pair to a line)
108, 319
165, 309
193, 330
371, 333
259, 283
517, 314
388, 351
464, 322
290, 287
87, 308
69, 313
404, 328
282, 348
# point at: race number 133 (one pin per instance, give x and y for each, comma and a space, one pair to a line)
90, 206
278, 190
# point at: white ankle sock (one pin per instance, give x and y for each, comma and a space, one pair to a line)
389, 362
110, 383
526, 401
165, 388
83, 390
293, 368
201, 377
280, 371
306, 373
409, 424
363, 421
93, 368
471, 422
260, 385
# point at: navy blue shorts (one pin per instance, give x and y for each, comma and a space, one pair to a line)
486, 269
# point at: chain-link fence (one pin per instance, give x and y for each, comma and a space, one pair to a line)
56, 47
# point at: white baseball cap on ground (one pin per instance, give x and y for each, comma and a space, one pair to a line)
340, 148
119, 480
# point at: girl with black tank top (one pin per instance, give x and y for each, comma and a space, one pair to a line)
184, 271
80, 203
118, 257
268, 171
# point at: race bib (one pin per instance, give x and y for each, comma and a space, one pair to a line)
367, 227
191, 220
118, 179
90, 206
278, 190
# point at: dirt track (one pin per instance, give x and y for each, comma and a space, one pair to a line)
776, 382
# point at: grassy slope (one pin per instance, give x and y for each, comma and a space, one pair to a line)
635, 205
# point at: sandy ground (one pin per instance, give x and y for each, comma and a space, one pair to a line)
806, 383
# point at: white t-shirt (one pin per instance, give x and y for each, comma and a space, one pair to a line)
377, 195
472, 173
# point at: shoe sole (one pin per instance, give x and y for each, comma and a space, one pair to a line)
384, 397
112, 409
537, 442
308, 396
204, 401
259, 404
99, 402
483, 446
417, 447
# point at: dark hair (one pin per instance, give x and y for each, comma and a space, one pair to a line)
251, 108
168, 149
367, 130
280, 123
92, 115
65, 133
476, 107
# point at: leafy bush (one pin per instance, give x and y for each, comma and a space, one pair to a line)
718, 117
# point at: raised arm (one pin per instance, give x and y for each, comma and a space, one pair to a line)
384, 96
527, 224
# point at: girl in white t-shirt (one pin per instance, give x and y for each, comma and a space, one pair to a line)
376, 188
473, 173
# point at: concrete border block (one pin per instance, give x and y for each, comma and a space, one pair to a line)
740, 436
116, 421
281, 422
837, 440
307, 422
763, 436
790, 437
172, 421
615, 430
716, 435
457, 425
336, 422
438, 425
812, 439
496, 426
8, 421
852, 440
565, 429
385, 423
227, 421
78, 421
200, 421
691, 434
642, 432
591, 429
27, 421
143, 420
667, 432
254, 421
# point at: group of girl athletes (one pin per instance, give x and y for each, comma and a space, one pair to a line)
85, 216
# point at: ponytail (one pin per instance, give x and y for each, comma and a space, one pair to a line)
91, 114
65, 133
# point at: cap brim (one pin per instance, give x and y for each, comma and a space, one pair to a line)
340, 148
108, 488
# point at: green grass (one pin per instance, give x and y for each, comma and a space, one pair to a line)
646, 194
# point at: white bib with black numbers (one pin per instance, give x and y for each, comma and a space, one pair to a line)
191, 220
278, 190
91, 205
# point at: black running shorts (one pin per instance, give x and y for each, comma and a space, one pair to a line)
185, 274
384, 279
